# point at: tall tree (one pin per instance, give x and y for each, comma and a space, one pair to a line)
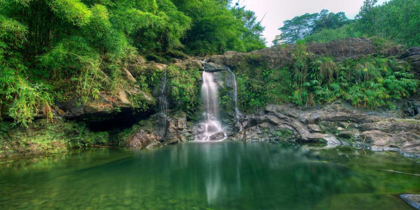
301, 26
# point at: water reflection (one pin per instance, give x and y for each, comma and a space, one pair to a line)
226, 175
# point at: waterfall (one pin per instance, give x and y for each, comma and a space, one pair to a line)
235, 99
162, 123
211, 128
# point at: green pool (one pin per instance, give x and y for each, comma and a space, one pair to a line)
225, 175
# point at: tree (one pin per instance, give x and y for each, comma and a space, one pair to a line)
329, 20
217, 27
252, 34
297, 28
301, 26
366, 8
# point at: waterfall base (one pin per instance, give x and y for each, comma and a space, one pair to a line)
210, 131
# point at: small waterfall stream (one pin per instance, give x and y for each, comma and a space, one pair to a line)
211, 128
235, 99
162, 123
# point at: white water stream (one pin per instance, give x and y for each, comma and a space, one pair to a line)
211, 129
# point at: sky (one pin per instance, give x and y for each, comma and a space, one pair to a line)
274, 12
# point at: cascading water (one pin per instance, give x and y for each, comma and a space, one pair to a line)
211, 128
235, 99
162, 123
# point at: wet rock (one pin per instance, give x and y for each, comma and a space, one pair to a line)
331, 140
177, 129
213, 67
218, 136
348, 134
142, 139
373, 130
412, 199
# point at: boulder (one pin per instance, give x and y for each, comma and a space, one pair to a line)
143, 139
217, 136
412, 199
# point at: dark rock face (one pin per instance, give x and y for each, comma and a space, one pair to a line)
412, 55
335, 124
412, 109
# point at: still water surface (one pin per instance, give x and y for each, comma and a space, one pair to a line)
225, 175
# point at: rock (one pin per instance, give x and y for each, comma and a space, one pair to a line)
129, 76
372, 129
278, 57
282, 111
122, 96
332, 141
218, 136
412, 199
412, 56
195, 64
348, 134
271, 119
213, 67
142, 139
314, 128
329, 138
412, 109
177, 129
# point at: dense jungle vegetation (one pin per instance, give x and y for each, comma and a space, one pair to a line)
56, 50
368, 82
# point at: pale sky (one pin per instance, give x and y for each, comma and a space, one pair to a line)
277, 11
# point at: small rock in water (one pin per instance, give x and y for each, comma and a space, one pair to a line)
413, 200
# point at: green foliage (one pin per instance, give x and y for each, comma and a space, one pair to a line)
43, 137
367, 82
396, 20
73, 11
261, 85
56, 50
302, 26
216, 28
327, 35
184, 86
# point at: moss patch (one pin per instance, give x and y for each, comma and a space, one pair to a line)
45, 138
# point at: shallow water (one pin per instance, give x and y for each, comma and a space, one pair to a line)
225, 175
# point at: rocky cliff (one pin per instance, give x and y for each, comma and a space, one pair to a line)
118, 119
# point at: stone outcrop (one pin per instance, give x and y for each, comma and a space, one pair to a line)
412, 55
146, 136
337, 124
279, 56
